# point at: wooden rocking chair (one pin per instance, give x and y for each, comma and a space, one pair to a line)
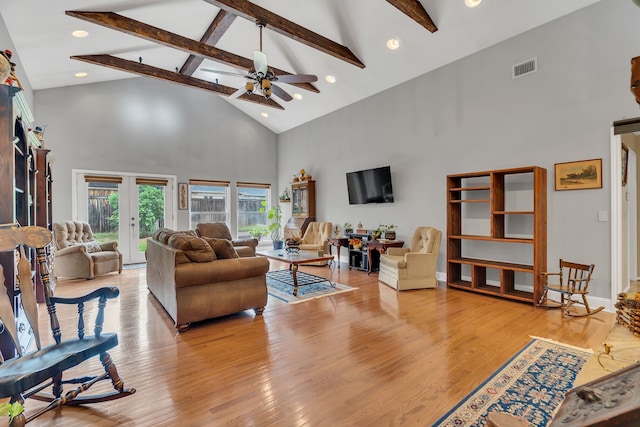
27, 375
573, 280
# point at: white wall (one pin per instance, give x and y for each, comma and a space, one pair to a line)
143, 125
472, 116
7, 43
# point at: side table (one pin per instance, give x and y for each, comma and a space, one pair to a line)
338, 242
380, 246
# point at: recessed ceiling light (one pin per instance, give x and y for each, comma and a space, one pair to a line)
265, 115
82, 74
472, 3
297, 96
393, 44
330, 78
80, 33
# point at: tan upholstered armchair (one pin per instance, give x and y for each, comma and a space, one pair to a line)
79, 255
219, 230
413, 267
316, 237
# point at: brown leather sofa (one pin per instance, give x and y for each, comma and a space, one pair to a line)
219, 230
197, 278
79, 255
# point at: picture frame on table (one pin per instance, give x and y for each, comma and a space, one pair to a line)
183, 196
578, 175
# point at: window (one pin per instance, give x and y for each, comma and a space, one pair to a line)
209, 201
250, 199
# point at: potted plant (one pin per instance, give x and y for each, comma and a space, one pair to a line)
258, 231
376, 233
275, 226
389, 231
11, 409
348, 228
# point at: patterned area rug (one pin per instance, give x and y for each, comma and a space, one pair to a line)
284, 292
531, 385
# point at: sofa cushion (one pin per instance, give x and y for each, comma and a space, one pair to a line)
218, 230
162, 235
222, 247
92, 247
195, 248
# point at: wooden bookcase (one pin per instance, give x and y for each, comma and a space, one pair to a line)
497, 232
21, 200
303, 208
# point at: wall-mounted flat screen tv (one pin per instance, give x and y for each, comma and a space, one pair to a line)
370, 186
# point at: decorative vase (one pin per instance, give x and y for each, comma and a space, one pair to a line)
278, 244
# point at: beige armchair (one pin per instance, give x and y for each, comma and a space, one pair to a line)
316, 238
79, 255
219, 230
413, 267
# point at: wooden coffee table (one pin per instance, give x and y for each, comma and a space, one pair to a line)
294, 259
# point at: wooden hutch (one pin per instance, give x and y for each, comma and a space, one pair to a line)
303, 208
25, 192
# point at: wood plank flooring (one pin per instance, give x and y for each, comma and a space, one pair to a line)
372, 357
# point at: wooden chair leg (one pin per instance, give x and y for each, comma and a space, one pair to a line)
110, 368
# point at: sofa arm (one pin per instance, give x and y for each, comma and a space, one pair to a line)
109, 246
397, 251
419, 264
71, 250
245, 242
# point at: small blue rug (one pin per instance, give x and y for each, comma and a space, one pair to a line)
284, 292
531, 385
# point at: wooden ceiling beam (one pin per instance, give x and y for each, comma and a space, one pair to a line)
148, 32
216, 30
283, 26
170, 76
415, 10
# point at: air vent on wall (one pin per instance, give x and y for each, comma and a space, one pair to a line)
524, 68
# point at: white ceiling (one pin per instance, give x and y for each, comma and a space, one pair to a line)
41, 33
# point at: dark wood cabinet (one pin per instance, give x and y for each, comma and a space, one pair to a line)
497, 232
359, 254
303, 208
21, 177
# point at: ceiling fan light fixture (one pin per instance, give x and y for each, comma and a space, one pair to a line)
393, 44
330, 78
249, 87
472, 3
80, 33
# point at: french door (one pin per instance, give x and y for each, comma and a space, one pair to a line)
126, 208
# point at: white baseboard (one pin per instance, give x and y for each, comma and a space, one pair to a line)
594, 302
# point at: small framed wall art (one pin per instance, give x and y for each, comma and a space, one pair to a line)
580, 175
183, 196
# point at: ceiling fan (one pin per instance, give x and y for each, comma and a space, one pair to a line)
261, 79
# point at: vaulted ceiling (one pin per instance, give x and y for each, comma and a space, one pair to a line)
172, 40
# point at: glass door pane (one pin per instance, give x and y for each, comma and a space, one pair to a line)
151, 215
103, 203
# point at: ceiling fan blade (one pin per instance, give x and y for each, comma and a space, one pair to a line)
227, 73
280, 93
238, 93
260, 62
296, 78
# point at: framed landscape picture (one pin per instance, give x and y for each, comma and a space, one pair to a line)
580, 175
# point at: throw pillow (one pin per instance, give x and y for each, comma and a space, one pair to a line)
195, 248
92, 247
223, 248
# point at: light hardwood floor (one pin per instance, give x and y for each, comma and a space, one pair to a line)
372, 357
